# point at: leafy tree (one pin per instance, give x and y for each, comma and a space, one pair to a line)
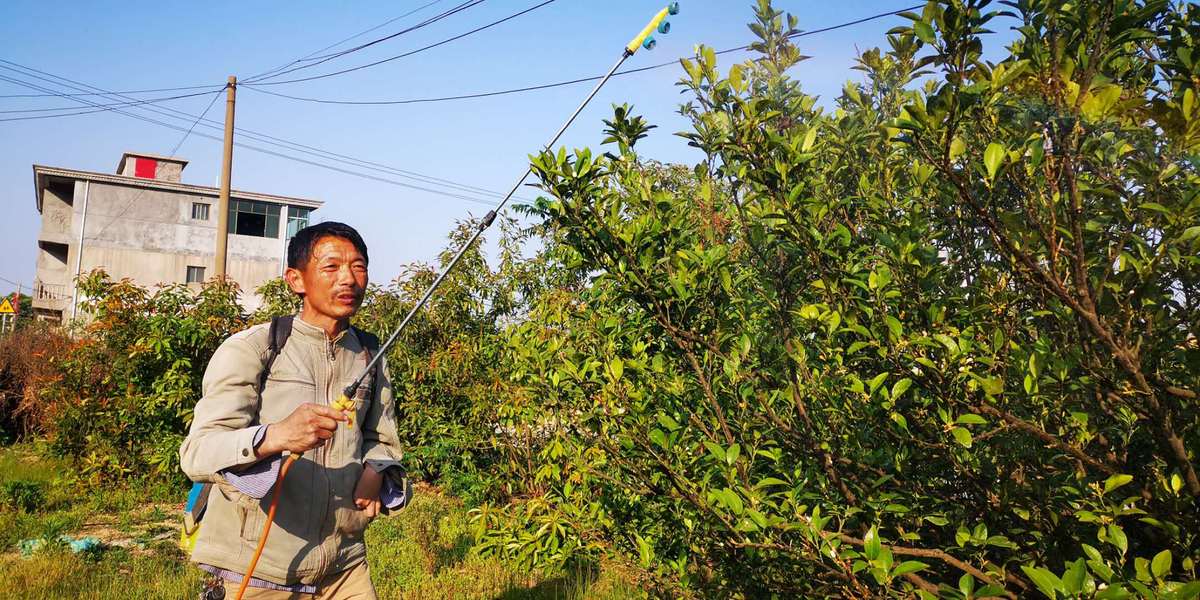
939, 341
120, 398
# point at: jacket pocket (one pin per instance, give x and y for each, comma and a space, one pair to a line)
352, 522
250, 520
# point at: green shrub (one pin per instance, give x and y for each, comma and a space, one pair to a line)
22, 495
940, 341
120, 398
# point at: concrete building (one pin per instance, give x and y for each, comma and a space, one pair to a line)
145, 224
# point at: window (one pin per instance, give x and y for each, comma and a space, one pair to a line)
297, 220
195, 275
200, 211
249, 217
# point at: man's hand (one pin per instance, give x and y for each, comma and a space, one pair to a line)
366, 493
306, 428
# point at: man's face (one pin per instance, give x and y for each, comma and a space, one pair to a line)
334, 280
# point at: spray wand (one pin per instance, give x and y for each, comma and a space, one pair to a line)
644, 39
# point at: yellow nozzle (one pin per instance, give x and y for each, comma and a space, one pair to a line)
345, 405
645, 33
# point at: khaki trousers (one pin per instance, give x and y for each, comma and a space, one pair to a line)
351, 584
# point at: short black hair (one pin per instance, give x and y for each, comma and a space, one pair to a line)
300, 248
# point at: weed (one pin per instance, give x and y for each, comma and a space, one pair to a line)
27, 496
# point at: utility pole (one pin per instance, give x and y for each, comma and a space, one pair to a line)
226, 173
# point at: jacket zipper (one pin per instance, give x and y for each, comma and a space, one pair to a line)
327, 350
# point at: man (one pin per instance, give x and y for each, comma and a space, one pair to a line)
240, 432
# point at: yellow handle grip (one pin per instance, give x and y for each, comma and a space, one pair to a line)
345, 405
645, 33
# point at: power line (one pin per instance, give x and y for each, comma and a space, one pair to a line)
291, 158
7, 280
340, 42
323, 59
155, 90
411, 52
263, 138
561, 83
115, 104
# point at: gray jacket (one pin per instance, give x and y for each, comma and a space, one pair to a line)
318, 530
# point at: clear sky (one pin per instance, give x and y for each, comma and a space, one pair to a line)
479, 142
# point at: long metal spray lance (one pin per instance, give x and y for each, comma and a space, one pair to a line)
644, 39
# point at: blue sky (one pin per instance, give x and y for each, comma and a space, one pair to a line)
480, 142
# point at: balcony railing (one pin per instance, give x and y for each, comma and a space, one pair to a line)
49, 291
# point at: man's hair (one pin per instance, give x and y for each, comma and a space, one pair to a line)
300, 248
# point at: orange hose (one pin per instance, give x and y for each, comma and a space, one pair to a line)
262, 539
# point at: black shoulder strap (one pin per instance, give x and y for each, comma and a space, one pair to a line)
277, 336
369, 341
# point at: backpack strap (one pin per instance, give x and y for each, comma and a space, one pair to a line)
370, 342
277, 337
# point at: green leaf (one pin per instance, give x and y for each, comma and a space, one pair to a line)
666, 421
957, 148
658, 437
971, 419
1141, 569
1116, 481
966, 584
992, 159
1161, 565
716, 450
733, 501
1048, 583
758, 518
1189, 234
894, 326
809, 138
1074, 577
770, 481
908, 566
947, 341
731, 455
1187, 591
877, 381
924, 32
962, 436
1116, 537
618, 368
871, 546
900, 387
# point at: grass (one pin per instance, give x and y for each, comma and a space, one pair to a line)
422, 552
118, 573
425, 552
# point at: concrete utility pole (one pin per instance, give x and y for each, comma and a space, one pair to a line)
226, 173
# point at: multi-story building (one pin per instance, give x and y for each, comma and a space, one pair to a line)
145, 224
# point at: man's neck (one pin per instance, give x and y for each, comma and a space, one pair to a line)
331, 326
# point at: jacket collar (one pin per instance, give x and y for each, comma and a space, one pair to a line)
311, 333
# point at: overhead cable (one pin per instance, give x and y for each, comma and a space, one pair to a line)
409, 53
149, 91
123, 104
560, 83
323, 59
285, 156
298, 147
312, 55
